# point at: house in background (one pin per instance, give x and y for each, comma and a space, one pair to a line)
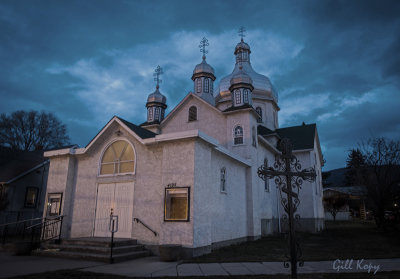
335, 186
355, 202
23, 180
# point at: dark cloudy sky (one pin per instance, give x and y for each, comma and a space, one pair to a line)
334, 63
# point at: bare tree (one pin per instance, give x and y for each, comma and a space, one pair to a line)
22, 130
334, 204
381, 175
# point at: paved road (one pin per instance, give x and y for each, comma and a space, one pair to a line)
152, 267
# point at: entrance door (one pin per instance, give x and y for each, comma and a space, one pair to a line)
119, 197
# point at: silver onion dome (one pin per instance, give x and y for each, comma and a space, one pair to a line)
262, 85
156, 97
242, 46
203, 67
241, 77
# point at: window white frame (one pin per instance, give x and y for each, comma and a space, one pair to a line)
150, 114
198, 85
104, 150
246, 96
238, 97
238, 133
157, 114
206, 85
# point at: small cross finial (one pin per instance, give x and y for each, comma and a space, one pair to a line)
158, 71
202, 46
241, 32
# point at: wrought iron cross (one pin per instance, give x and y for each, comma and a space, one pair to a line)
288, 177
241, 32
157, 72
202, 46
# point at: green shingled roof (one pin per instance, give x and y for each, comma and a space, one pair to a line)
302, 137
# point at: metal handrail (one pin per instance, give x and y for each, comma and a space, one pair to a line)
57, 219
22, 221
147, 227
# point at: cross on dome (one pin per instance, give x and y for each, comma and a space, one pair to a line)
241, 32
157, 72
202, 46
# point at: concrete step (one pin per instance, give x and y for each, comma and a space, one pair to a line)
99, 242
91, 256
95, 249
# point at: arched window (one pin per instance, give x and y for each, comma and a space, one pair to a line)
266, 182
211, 88
119, 157
206, 85
238, 137
237, 97
246, 96
192, 113
223, 180
150, 114
198, 85
259, 111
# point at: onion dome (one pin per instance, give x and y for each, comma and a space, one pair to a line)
203, 68
262, 85
242, 46
156, 97
241, 78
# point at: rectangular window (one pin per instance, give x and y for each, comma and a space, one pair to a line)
150, 114
157, 114
206, 85
246, 96
238, 140
237, 97
198, 85
54, 204
176, 206
31, 196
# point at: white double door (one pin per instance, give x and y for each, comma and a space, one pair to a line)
119, 198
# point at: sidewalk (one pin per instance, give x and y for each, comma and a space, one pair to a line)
153, 267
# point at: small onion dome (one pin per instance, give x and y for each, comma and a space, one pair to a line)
156, 98
242, 46
203, 69
241, 79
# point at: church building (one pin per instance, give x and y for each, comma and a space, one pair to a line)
189, 177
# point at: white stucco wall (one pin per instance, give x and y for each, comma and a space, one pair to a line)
219, 216
209, 120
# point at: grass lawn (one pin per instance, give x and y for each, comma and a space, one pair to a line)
75, 274
340, 240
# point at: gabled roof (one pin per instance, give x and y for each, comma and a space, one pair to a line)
181, 103
137, 130
141, 132
13, 163
302, 137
